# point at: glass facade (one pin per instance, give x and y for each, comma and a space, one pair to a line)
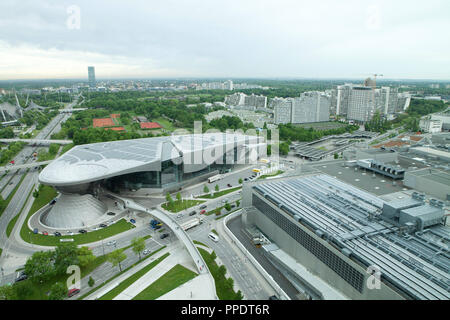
170, 174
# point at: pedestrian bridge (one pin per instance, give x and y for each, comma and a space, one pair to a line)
174, 226
41, 142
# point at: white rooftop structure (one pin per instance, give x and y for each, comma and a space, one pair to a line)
93, 162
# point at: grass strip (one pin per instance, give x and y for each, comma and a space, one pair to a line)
132, 279
118, 274
172, 279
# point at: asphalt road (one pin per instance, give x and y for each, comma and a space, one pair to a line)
13, 251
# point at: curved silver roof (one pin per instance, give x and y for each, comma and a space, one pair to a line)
97, 161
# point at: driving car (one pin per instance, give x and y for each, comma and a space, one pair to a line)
73, 292
164, 235
82, 231
146, 252
193, 213
111, 243
57, 234
111, 214
203, 207
203, 212
229, 185
102, 225
132, 221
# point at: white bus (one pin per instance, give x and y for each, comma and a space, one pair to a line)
214, 178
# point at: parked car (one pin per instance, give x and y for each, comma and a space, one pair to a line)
246, 179
102, 225
73, 292
45, 233
203, 207
82, 231
132, 221
111, 243
180, 215
53, 202
203, 212
146, 252
111, 214
229, 185
193, 213
35, 231
164, 235
22, 276
57, 234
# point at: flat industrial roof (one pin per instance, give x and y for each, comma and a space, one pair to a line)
418, 264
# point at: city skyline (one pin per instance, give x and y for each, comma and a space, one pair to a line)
326, 40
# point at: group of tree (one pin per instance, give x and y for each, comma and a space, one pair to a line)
290, 132
6, 154
46, 266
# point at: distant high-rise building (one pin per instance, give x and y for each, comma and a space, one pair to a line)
361, 106
309, 107
91, 77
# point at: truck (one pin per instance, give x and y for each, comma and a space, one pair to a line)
155, 224
191, 223
214, 178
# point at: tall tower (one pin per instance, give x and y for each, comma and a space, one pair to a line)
91, 77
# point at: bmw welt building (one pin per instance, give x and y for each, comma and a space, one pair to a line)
147, 166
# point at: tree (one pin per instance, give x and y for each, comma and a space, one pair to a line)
239, 295
138, 246
58, 291
91, 282
169, 198
7, 292
336, 156
179, 197
217, 188
23, 290
222, 270
228, 206
205, 189
116, 257
238, 203
66, 254
241, 181
85, 256
39, 267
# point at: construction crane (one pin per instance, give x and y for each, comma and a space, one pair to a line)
375, 80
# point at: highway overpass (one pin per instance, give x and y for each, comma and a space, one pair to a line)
41, 142
24, 166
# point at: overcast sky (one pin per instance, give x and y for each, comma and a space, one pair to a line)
229, 39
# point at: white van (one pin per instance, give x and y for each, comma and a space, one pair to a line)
213, 237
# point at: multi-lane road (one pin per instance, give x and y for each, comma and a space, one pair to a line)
14, 254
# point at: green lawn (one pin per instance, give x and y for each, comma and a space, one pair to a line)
178, 206
271, 175
200, 243
165, 123
66, 148
132, 279
218, 194
224, 286
118, 227
46, 194
172, 279
119, 273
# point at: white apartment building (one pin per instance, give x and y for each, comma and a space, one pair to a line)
361, 106
431, 126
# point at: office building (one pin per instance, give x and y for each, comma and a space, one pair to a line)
91, 77
361, 106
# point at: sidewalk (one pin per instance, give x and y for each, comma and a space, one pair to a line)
127, 274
